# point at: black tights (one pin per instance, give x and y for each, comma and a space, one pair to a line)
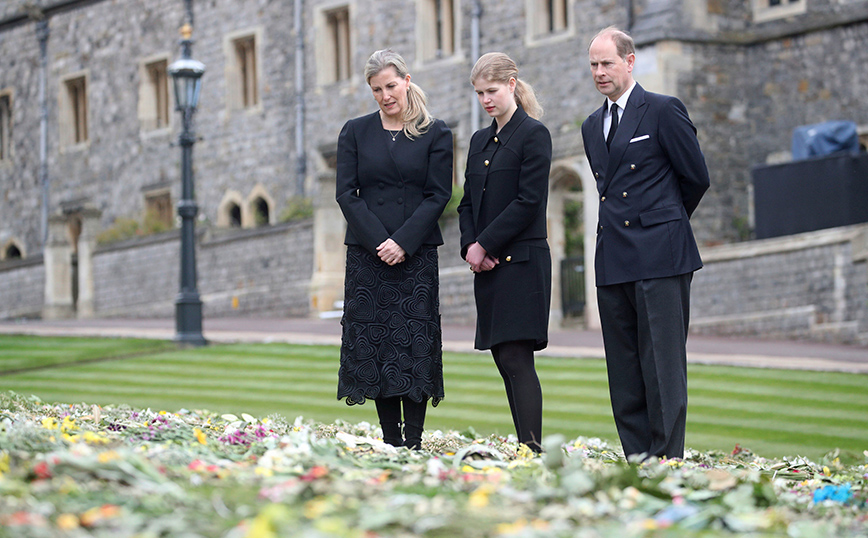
389, 412
515, 362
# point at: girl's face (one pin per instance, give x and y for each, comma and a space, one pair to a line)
497, 98
390, 91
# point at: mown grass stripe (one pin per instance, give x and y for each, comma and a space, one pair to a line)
787, 412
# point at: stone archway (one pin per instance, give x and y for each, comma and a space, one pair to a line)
68, 258
566, 189
259, 208
229, 212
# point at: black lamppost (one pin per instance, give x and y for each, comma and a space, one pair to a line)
187, 77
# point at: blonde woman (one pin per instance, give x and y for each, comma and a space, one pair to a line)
394, 178
503, 234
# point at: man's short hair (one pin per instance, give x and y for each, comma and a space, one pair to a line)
623, 42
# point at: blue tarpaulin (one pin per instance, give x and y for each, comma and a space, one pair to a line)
825, 139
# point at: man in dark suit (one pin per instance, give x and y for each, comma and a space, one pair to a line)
650, 174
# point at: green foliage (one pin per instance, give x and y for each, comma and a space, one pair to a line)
125, 228
451, 210
296, 209
742, 228
574, 228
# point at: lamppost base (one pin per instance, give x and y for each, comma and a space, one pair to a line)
188, 321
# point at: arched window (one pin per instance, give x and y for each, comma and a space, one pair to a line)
12, 252
231, 212
261, 212
235, 216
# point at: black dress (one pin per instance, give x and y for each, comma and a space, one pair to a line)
391, 328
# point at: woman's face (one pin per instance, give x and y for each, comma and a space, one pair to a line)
390, 91
497, 98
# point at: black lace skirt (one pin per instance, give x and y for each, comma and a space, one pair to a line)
390, 342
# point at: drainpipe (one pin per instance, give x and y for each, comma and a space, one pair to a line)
476, 14
301, 167
630, 17
42, 33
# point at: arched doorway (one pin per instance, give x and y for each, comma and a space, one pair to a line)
570, 209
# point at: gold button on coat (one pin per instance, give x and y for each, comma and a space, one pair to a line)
486, 162
509, 258
603, 199
626, 223
495, 139
624, 194
632, 167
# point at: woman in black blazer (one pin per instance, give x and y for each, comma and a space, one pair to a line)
503, 234
394, 178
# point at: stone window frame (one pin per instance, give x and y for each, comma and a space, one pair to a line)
6, 102
438, 30
159, 201
335, 35
250, 217
541, 28
243, 52
765, 10
156, 102
230, 200
12, 243
74, 111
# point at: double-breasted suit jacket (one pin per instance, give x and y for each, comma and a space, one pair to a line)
650, 182
504, 209
393, 189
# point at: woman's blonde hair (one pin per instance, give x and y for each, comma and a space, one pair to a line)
416, 117
498, 67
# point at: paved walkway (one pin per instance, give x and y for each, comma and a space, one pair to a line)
562, 343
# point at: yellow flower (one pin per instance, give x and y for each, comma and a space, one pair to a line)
105, 457
650, 525
525, 453
262, 471
265, 524
95, 438
4, 463
315, 508
200, 436
479, 497
67, 522
49, 423
512, 528
68, 424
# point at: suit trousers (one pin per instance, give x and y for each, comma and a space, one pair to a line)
645, 335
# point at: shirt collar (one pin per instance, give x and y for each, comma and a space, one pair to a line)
622, 101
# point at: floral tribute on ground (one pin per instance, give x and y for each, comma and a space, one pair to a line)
80, 470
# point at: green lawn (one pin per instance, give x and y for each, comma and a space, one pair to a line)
772, 412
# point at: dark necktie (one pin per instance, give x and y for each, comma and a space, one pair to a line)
613, 126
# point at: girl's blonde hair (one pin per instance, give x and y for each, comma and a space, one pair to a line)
498, 67
416, 117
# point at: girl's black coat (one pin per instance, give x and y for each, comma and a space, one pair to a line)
504, 209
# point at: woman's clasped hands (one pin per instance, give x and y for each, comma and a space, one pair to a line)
391, 252
479, 259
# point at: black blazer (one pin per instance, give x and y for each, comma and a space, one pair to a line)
394, 189
650, 182
506, 185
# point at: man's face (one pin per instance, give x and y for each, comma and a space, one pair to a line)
612, 74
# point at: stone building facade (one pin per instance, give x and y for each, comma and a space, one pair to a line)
282, 76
